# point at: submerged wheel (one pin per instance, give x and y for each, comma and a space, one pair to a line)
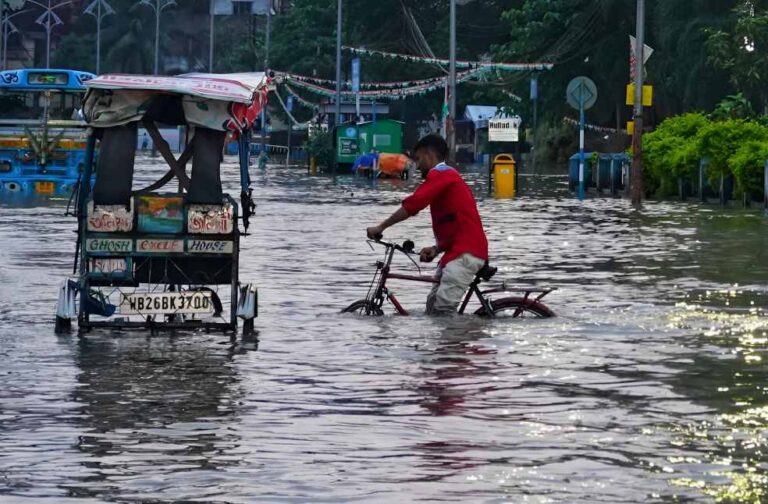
517, 307
363, 307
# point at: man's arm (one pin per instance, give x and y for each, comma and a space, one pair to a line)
413, 204
375, 232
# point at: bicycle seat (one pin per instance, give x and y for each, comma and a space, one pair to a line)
487, 272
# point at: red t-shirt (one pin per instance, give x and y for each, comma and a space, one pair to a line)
455, 220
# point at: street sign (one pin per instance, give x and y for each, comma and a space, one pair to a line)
647, 95
534, 88
581, 95
289, 103
504, 129
356, 75
581, 91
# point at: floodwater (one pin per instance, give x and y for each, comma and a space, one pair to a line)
648, 387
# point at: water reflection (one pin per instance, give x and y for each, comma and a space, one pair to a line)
154, 409
727, 453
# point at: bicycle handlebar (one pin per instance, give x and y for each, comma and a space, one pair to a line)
408, 247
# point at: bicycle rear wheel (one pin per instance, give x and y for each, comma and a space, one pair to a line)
516, 307
363, 307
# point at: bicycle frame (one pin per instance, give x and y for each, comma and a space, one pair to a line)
376, 297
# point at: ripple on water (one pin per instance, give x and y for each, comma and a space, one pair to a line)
649, 385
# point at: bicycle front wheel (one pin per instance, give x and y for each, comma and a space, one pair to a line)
516, 307
363, 307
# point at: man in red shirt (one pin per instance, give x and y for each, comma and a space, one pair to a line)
459, 233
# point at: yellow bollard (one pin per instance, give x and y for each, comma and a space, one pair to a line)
312, 166
504, 176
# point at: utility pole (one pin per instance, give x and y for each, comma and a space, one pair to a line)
263, 150
269, 35
338, 75
535, 100
2, 30
211, 27
451, 123
637, 135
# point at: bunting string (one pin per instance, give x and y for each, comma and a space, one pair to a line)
388, 94
591, 127
508, 67
301, 126
363, 85
300, 99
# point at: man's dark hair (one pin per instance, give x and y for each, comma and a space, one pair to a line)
436, 143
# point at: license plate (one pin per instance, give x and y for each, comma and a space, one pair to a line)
166, 303
45, 187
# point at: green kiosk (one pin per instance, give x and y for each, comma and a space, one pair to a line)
352, 140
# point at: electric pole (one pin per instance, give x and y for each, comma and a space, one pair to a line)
338, 75
451, 123
637, 134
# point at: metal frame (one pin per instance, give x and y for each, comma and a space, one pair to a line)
82, 255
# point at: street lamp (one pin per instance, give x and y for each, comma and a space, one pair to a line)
49, 19
99, 9
8, 29
158, 6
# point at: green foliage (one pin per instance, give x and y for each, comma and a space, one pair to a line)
76, 52
720, 140
735, 148
738, 49
733, 107
672, 151
747, 166
319, 145
556, 142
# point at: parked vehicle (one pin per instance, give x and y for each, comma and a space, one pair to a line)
42, 133
157, 257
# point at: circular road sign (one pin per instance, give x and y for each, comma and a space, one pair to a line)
581, 91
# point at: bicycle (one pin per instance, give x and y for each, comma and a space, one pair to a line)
526, 304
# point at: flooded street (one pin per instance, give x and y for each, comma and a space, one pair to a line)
649, 386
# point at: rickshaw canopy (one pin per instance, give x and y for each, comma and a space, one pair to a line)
223, 102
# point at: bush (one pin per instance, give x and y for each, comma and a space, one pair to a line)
722, 141
747, 167
735, 148
556, 142
320, 146
672, 151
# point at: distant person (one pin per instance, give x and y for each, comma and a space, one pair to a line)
144, 142
459, 233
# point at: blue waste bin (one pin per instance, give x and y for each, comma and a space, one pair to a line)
603, 172
618, 161
573, 171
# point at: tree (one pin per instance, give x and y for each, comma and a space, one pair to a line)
739, 50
